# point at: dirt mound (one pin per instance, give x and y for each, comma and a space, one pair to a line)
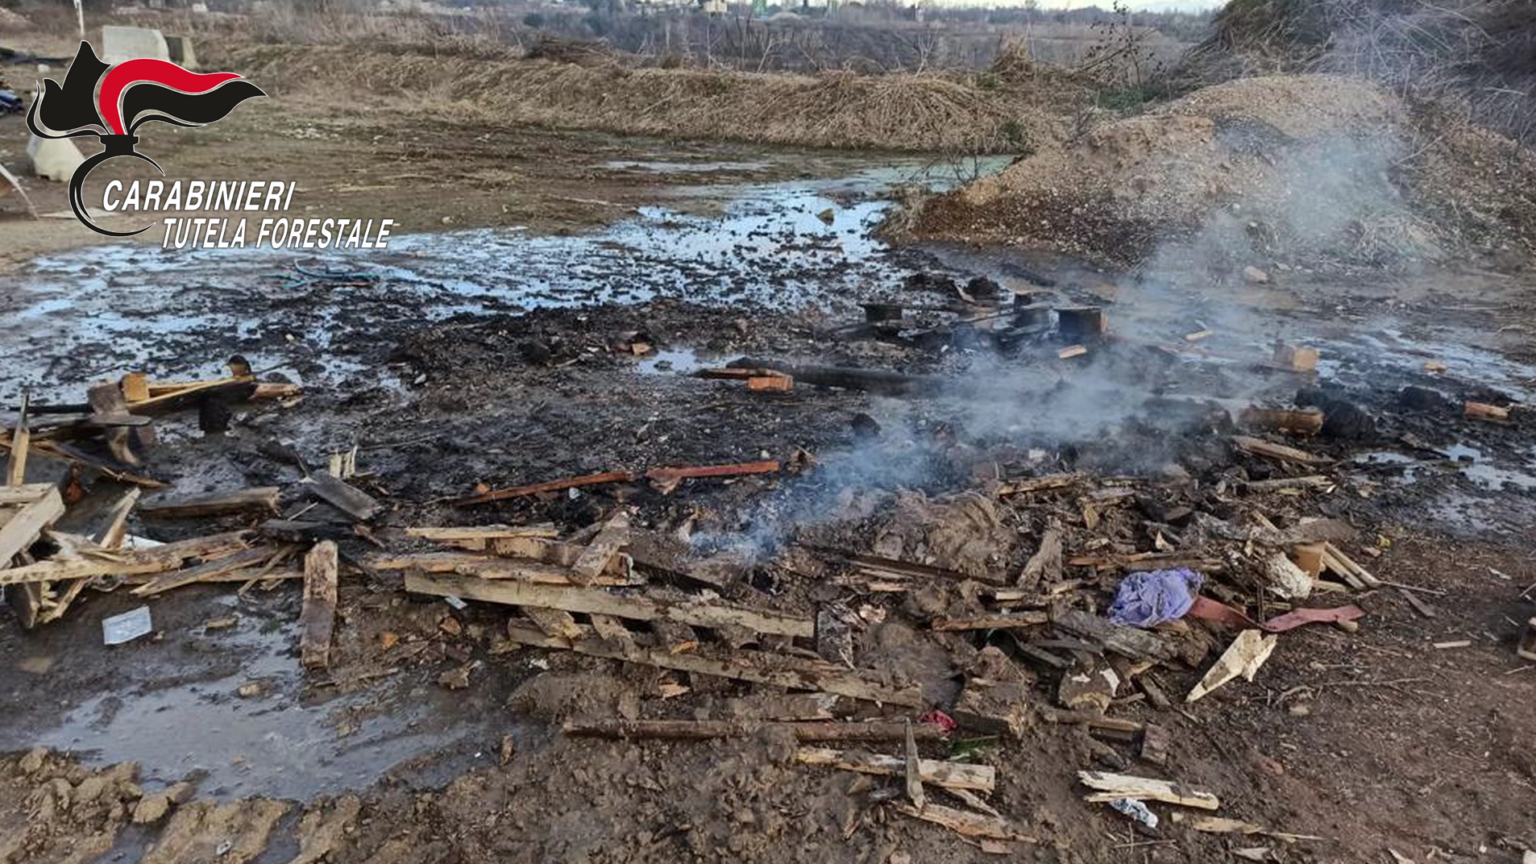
920, 112
1317, 170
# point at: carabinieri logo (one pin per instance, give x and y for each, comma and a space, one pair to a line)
133, 93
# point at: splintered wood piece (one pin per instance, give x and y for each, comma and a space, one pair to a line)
356, 504
758, 666
1297, 358
1071, 351
111, 536
966, 823
1279, 452
1045, 564
216, 504
547, 486
318, 616
913, 772
23, 529
950, 775
553, 622
610, 628
1302, 421
21, 443
601, 550
1198, 335
1112, 786
1243, 657
996, 621
1336, 561
1128, 641
101, 562
597, 601
204, 571
492, 567
805, 731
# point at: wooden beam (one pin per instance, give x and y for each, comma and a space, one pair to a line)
21, 444
351, 501
318, 617
547, 486
215, 504
597, 601
744, 665
24, 494
1279, 452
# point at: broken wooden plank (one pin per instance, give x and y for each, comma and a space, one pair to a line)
596, 601
1311, 481
995, 621
611, 629
21, 444
206, 570
318, 617
595, 558
492, 567
547, 486
950, 775
805, 731
848, 378
757, 666
22, 530
1127, 641
101, 562
354, 503
1337, 562
777, 383
1279, 452
912, 772
483, 536
215, 504
966, 823
1112, 786
553, 622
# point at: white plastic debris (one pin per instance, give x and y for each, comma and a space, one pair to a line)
455, 602
1136, 810
126, 627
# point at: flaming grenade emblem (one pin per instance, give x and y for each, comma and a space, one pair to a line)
132, 93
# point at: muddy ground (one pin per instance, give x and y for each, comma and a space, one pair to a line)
480, 354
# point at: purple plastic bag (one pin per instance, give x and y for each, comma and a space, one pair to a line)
1150, 598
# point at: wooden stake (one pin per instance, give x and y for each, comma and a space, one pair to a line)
914, 774
21, 443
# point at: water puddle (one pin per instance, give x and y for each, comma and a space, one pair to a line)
672, 361
178, 712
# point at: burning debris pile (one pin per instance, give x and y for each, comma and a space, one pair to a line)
949, 579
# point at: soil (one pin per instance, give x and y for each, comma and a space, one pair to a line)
501, 357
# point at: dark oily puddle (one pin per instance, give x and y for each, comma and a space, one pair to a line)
99, 312
172, 702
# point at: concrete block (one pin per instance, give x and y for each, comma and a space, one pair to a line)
130, 43
54, 158
180, 48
